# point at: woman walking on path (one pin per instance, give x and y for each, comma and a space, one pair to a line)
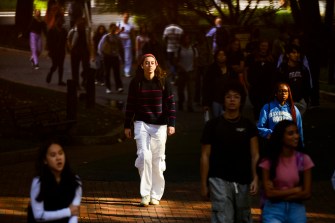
56, 42
36, 28
287, 176
151, 106
56, 192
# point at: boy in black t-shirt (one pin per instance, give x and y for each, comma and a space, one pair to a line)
228, 160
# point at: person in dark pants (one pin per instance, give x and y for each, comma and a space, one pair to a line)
79, 45
56, 43
111, 49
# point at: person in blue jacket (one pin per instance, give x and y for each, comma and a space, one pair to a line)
280, 108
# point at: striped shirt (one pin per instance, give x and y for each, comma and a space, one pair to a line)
149, 102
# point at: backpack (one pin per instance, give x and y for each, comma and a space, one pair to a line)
110, 46
221, 37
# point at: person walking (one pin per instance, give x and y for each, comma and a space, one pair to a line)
171, 36
151, 108
259, 72
297, 76
215, 80
229, 155
37, 27
111, 49
79, 44
127, 36
219, 35
286, 176
98, 59
186, 63
56, 43
281, 107
55, 193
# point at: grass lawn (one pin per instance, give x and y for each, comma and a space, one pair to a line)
95, 121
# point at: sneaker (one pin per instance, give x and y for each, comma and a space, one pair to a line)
108, 91
36, 67
120, 89
145, 201
154, 201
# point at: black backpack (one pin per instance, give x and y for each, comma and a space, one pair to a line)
221, 37
111, 45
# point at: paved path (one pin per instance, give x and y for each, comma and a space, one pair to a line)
110, 180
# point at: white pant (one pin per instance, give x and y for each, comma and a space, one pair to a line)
150, 140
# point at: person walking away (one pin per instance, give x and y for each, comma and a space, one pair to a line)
219, 35
37, 27
297, 76
286, 176
79, 44
56, 43
259, 72
151, 108
216, 78
55, 193
229, 155
127, 35
186, 62
111, 49
99, 64
171, 37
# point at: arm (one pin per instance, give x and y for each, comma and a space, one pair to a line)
204, 168
305, 192
75, 203
38, 207
254, 160
263, 122
271, 192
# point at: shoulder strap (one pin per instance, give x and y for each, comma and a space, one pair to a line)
300, 161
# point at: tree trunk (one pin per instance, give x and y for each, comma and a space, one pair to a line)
329, 18
23, 16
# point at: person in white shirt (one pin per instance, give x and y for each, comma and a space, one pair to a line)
171, 36
55, 191
126, 35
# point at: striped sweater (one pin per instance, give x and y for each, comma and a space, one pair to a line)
149, 102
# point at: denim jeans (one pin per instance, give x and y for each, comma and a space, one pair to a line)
284, 212
217, 109
35, 46
230, 201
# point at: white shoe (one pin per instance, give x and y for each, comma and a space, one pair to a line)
145, 201
108, 91
120, 89
154, 201
127, 75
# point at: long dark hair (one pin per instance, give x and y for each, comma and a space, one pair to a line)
289, 99
45, 175
276, 144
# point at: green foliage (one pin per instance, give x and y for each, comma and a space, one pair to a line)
40, 4
6, 5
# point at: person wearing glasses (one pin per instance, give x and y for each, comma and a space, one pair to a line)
280, 108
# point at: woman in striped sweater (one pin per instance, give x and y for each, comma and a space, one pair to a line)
151, 108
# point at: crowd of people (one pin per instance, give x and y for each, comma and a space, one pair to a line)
216, 74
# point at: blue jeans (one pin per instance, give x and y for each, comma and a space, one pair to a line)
217, 109
284, 212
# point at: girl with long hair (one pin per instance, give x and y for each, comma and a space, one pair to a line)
286, 176
56, 191
151, 108
280, 108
